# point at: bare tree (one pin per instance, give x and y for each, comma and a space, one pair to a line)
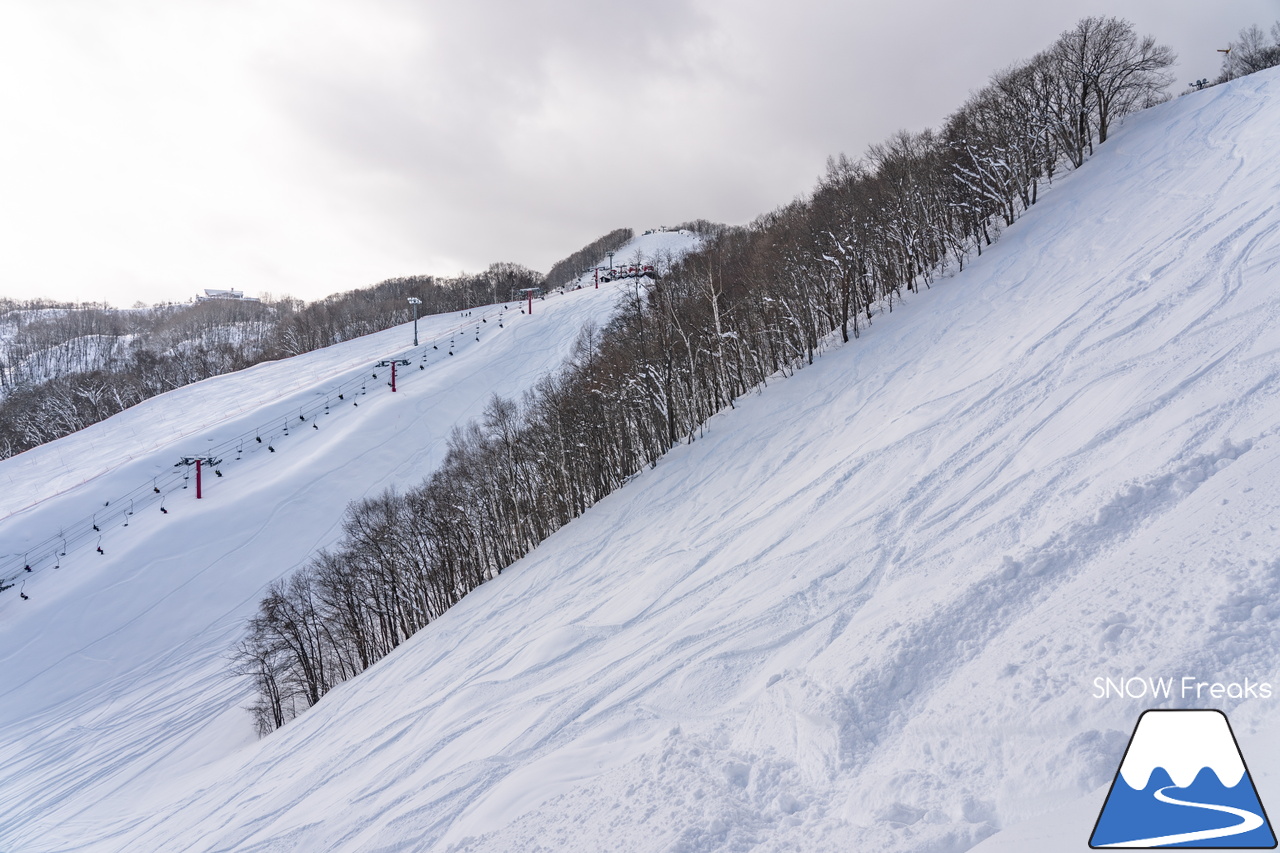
754, 302
1251, 52
1128, 73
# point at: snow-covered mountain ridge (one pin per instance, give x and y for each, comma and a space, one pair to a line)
867, 609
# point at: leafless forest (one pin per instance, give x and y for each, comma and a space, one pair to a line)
758, 303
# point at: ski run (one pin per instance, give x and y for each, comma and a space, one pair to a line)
866, 611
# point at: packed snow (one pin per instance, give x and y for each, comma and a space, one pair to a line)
867, 611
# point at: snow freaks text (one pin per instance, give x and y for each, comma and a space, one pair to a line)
1184, 687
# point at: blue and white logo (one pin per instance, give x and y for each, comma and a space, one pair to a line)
1183, 783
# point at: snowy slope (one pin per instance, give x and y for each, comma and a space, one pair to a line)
866, 612
114, 668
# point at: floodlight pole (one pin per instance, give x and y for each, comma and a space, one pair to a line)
415, 302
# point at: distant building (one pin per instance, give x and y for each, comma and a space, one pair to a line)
211, 294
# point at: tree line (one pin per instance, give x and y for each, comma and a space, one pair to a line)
757, 302
1250, 52
66, 366
587, 257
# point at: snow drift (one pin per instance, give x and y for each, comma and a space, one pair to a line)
864, 612
115, 668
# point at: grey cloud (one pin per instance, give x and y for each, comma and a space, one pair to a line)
429, 136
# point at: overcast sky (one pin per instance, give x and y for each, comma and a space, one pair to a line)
150, 149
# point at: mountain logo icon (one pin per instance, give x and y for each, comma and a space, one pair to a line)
1182, 783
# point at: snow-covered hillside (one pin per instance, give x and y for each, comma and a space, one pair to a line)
865, 612
115, 665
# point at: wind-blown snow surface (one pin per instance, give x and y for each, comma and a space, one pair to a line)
867, 610
114, 671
